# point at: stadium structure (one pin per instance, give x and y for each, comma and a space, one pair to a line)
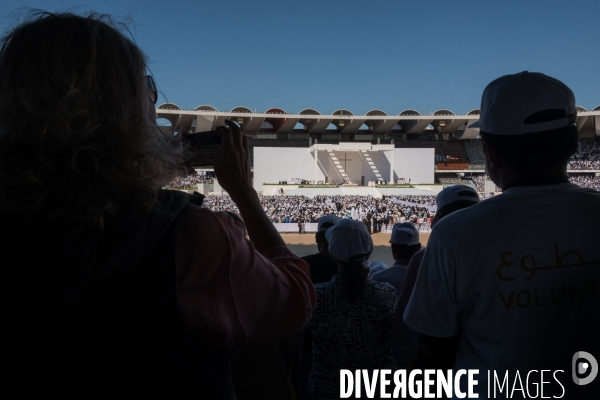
353, 151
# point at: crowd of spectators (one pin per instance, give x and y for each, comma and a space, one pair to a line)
452, 181
189, 181
587, 159
590, 156
586, 180
474, 151
295, 208
479, 181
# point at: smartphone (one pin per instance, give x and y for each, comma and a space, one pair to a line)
210, 138
202, 147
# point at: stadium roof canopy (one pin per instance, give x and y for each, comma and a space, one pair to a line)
343, 122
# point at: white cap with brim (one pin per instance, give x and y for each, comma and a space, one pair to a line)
404, 233
327, 219
347, 239
526, 102
454, 193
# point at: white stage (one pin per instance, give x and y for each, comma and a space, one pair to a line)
358, 163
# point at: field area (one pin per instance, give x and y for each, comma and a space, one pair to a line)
304, 244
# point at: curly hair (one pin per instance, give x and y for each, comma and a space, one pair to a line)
78, 140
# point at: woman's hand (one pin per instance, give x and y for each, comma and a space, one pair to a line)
232, 161
232, 166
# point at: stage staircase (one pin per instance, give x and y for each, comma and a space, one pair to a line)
340, 170
369, 161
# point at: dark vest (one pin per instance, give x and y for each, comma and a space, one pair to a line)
117, 332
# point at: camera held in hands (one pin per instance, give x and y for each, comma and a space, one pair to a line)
202, 147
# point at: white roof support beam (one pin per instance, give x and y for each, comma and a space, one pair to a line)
289, 125
384, 126
320, 124
419, 126
352, 125
453, 126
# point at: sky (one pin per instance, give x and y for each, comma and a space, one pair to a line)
353, 55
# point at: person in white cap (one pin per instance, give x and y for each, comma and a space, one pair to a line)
404, 244
322, 267
449, 200
351, 326
495, 293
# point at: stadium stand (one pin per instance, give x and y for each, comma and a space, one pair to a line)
474, 152
453, 156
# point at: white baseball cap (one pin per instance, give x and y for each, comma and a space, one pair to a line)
526, 102
454, 193
327, 219
404, 233
349, 238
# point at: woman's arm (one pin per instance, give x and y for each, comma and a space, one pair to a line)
232, 166
229, 293
231, 290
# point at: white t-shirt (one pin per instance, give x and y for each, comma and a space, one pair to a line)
518, 277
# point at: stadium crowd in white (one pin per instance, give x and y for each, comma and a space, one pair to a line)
372, 211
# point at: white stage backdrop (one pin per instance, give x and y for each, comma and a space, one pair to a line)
274, 164
416, 164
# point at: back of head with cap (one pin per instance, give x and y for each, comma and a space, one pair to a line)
528, 119
323, 224
454, 198
405, 233
404, 240
349, 241
350, 244
526, 102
